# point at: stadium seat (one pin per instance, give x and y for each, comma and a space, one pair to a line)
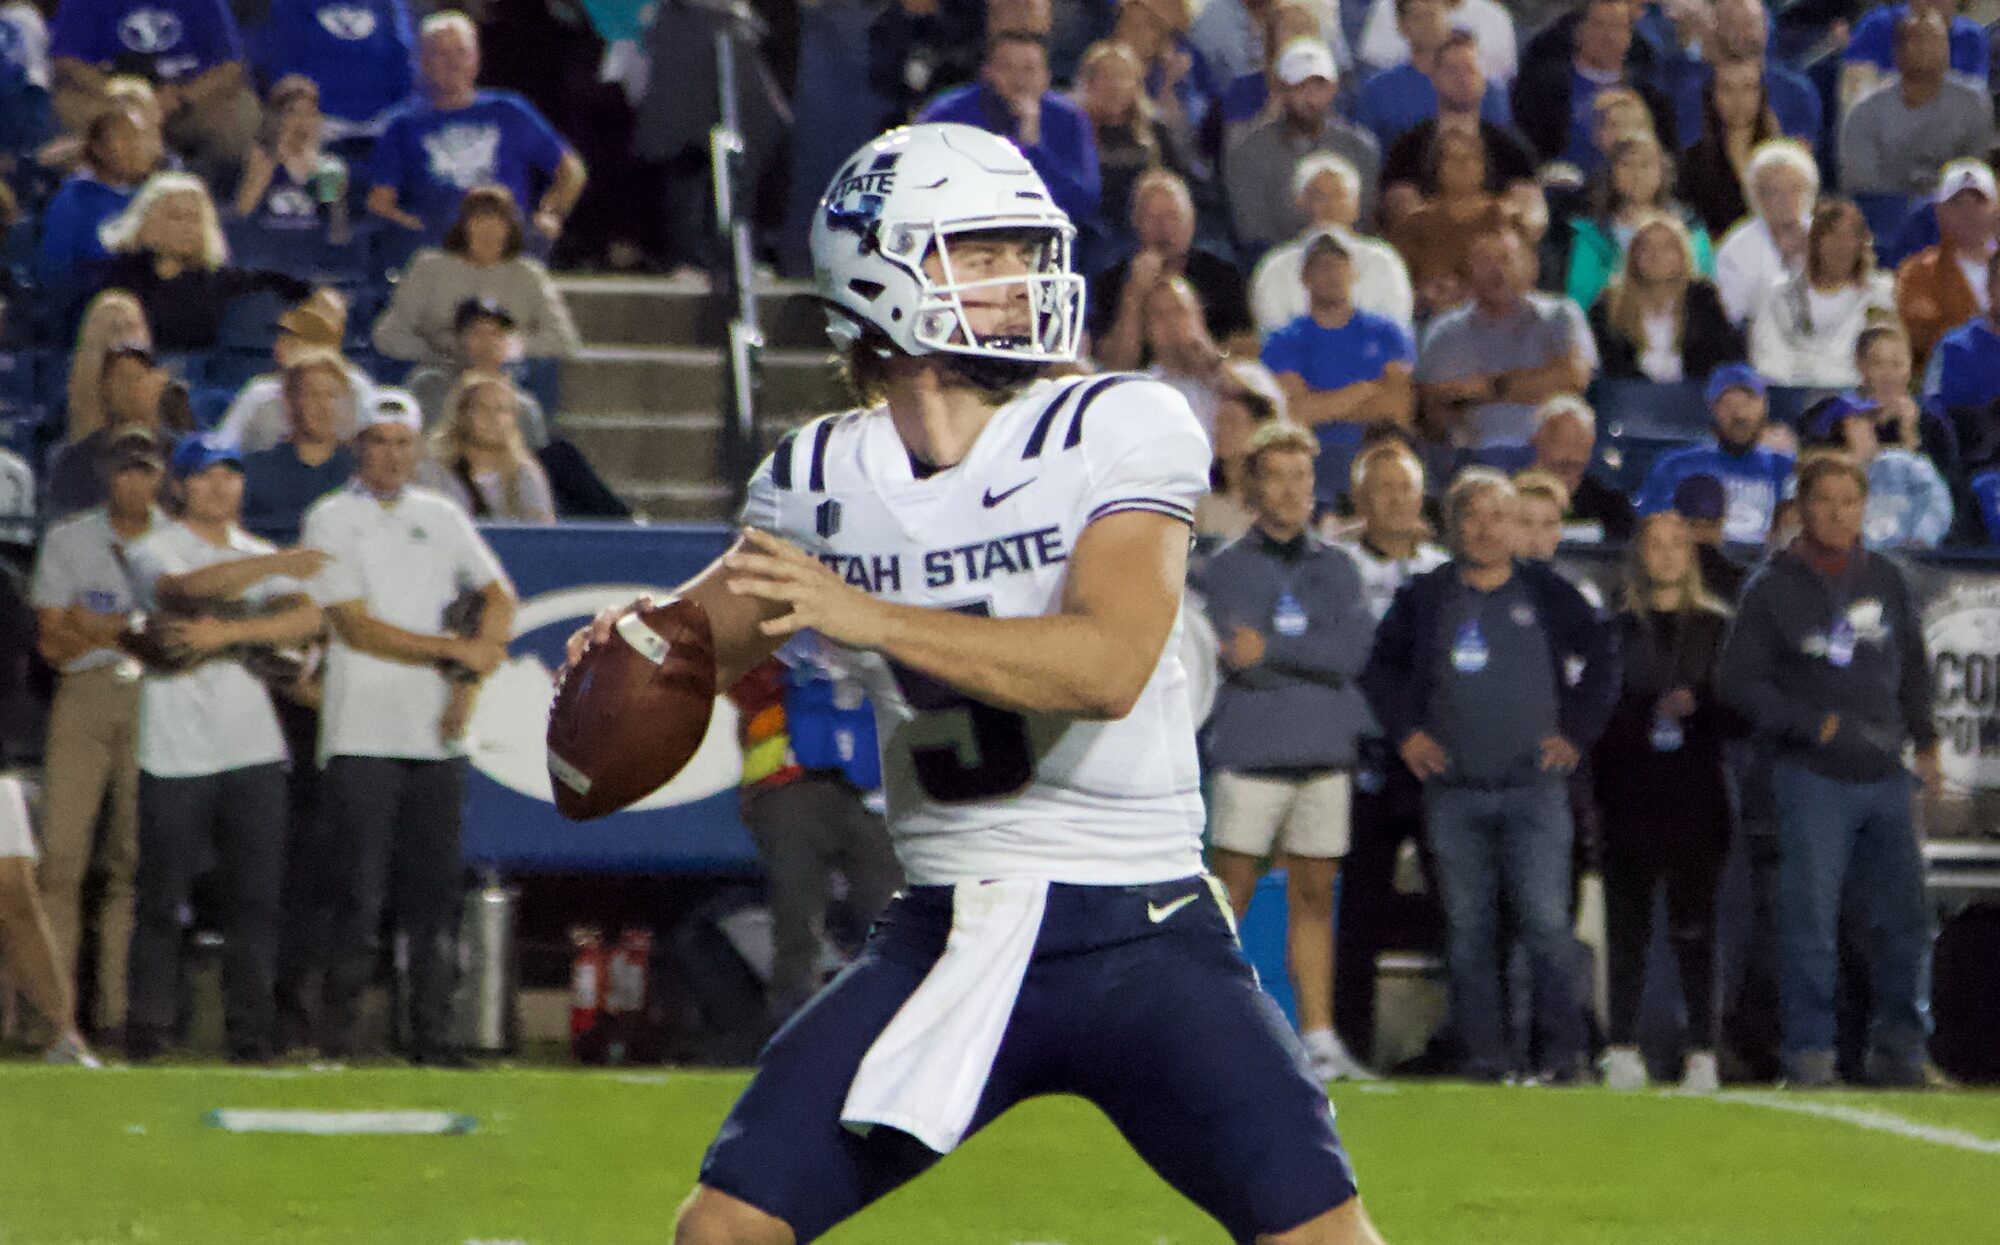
542, 380
1786, 405
1885, 214
1647, 409
1505, 458
1986, 491
1917, 231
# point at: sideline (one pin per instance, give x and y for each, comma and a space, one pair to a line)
1866, 1118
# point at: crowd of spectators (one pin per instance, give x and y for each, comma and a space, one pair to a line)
1448, 287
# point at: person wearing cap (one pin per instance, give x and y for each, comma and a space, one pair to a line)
1894, 138
1804, 334
1565, 443
212, 757
83, 595
1827, 660
258, 417
1483, 368
1393, 101
1327, 189
1258, 161
1340, 368
1553, 96
134, 388
1909, 504
281, 481
485, 342
1012, 99
1231, 36
1294, 628
481, 258
1163, 227
1701, 501
1753, 477
394, 710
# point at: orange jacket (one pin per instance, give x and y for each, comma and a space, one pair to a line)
1933, 298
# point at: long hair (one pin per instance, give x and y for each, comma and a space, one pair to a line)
1604, 201
114, 318
1629, 297
1830, 214
1636, 596
1762, 130
451, 439
1140, 118
121, 232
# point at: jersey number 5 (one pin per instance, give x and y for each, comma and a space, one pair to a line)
1002, 761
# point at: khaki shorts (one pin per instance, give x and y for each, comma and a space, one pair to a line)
17, 832
1255, 814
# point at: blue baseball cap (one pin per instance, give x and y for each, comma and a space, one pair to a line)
1700, 497
1733, 376
1823, 418
196, 454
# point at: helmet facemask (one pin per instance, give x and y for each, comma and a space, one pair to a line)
944, 322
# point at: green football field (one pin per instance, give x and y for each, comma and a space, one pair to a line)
591, 1158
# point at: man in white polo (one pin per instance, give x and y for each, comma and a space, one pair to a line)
392, 721
212, 758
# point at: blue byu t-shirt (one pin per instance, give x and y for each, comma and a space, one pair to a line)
174, 40
1328, 358
432, 158
1753, 483
1874, 41
362, 53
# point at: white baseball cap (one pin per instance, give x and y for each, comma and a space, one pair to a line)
1966, 175
1306, 57
392, 406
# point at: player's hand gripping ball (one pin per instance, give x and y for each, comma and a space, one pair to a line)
631, 710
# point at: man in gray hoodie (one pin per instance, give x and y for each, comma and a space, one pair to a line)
1295, 629
1827, 660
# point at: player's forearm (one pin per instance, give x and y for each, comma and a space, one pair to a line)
296, 624
221, 581
496, 625
567, 186
365, 633
1062, 664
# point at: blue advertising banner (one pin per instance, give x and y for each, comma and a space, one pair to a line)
564, 575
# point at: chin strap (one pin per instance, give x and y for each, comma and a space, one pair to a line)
986, 372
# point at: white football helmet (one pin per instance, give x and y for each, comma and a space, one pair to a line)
903, 197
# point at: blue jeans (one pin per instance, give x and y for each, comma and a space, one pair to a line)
1511, 842
1830, 832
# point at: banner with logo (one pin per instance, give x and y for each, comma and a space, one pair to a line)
565, 575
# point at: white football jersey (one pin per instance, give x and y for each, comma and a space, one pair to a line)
976, 792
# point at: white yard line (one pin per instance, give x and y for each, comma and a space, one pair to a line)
1867, 1118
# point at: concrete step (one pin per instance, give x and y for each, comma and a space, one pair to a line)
653, 311
682, 379
664, 465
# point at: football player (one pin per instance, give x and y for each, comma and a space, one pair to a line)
1003, 554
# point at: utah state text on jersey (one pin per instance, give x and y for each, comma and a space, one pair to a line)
968, 564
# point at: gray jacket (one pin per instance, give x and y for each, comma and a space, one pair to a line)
1299, 708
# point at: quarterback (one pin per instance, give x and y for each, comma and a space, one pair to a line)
1002, 556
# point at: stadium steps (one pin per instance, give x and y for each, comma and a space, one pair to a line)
643, 398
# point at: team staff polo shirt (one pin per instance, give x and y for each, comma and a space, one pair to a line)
82, 563
404, 561
217, 716
433, 156
174, 40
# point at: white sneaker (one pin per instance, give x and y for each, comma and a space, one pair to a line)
1346, 1067
1700, 1076
1623, 1069
70, 1049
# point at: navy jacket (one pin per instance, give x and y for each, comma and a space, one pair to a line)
1776, 669
1403, 668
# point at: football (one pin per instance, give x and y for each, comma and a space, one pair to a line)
631, 711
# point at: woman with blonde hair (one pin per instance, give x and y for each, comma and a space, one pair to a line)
1636, 183
167, 248
113, 319
479, 459
1805, 332
1659, 319
1111, 90
1659, 780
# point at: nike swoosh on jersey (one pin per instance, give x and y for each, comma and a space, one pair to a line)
991, 499
1161, 911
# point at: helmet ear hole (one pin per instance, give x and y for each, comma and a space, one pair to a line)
870, 290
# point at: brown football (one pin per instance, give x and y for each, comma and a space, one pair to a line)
631, 712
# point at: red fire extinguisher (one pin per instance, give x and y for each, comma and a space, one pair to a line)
587, 988
625, 994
